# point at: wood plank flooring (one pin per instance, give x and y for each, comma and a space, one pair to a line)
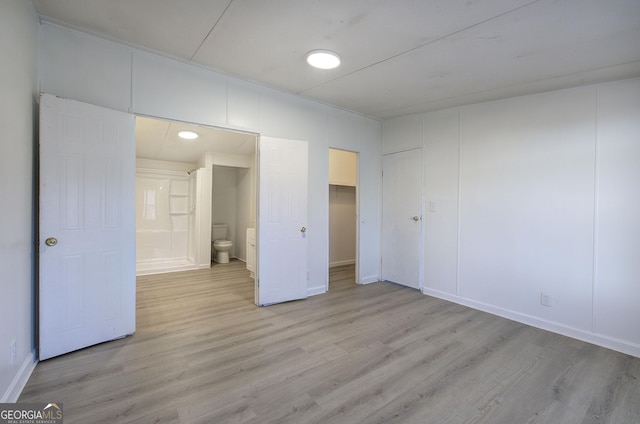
380, 353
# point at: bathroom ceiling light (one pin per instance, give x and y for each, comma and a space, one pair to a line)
323, 59
188, 135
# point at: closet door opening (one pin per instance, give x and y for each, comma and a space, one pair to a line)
343, 218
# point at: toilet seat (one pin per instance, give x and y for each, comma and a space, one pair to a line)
222, 243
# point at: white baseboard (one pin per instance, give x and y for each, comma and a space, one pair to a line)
312, 291
340, 263
14, 390
575, 333
369, 279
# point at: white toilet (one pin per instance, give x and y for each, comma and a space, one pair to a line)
221, 245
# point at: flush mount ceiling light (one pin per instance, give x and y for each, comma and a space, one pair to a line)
323, 59
188, 135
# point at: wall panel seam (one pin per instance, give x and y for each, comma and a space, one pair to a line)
596, 194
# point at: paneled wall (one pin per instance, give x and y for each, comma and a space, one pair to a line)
93, 70
536, 204
18, 118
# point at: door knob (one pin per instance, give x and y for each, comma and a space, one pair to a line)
303, 229
51, 241
416, 218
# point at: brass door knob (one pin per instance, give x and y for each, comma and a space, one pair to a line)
51, 241
416, 218
303, 229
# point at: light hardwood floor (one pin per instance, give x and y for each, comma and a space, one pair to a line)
380, 353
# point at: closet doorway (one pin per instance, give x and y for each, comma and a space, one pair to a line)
343, 218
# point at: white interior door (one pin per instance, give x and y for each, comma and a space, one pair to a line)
87, 268
402, 217
282, 219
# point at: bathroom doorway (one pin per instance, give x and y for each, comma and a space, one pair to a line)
343, 218
233, 207
174, 193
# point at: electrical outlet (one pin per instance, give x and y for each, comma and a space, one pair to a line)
12, 352
546, 299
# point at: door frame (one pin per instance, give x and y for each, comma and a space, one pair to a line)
357, 218
256, 176
256, 181
421, 210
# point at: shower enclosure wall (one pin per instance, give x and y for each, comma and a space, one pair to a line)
173, 219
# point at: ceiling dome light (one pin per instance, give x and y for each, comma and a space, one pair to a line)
323, 59
188, 135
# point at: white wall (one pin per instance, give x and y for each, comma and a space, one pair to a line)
202, 219
233, 191
96, 71
616, 292
245, 198
18, 49
245, 209
225, 201
342, 225
536, 195
362, 136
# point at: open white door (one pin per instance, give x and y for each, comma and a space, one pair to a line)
282, 236
87, 278
401, 217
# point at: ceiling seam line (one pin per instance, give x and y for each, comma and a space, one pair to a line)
444, 37
206, 37
576, 85
419, 104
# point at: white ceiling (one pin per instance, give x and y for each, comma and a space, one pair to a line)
158, 139
399, 56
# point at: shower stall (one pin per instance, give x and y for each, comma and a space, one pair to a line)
173, 219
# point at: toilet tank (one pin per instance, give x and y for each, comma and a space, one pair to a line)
219, 232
